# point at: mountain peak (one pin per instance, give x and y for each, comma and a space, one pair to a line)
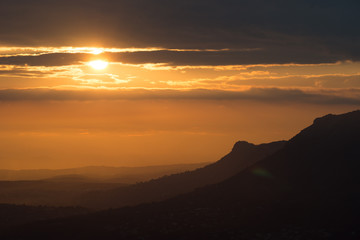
327, 117
241, 145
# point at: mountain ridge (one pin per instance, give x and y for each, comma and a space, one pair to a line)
243, 155
302, 196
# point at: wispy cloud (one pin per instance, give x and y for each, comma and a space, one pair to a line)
348, 96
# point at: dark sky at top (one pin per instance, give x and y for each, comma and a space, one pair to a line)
320, 30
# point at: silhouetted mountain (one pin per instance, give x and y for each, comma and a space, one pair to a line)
307, 190
243, 155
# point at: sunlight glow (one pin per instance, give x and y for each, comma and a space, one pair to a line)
97, 51
98, 64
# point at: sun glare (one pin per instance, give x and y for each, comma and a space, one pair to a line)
97, 51
98, 64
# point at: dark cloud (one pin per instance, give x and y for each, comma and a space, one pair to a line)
255, 94
178, 58
314, 27
53, 59
212, 58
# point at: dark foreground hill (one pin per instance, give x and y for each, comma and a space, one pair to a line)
243, 155
21, 214
52, 192
307, 190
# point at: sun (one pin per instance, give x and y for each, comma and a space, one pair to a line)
98, 64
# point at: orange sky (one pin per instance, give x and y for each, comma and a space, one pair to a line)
70, 115
132, 83
69, 133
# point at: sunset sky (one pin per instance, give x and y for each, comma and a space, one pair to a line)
149, 82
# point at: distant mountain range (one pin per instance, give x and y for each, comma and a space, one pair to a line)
308, 189
128, 175
64, 187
